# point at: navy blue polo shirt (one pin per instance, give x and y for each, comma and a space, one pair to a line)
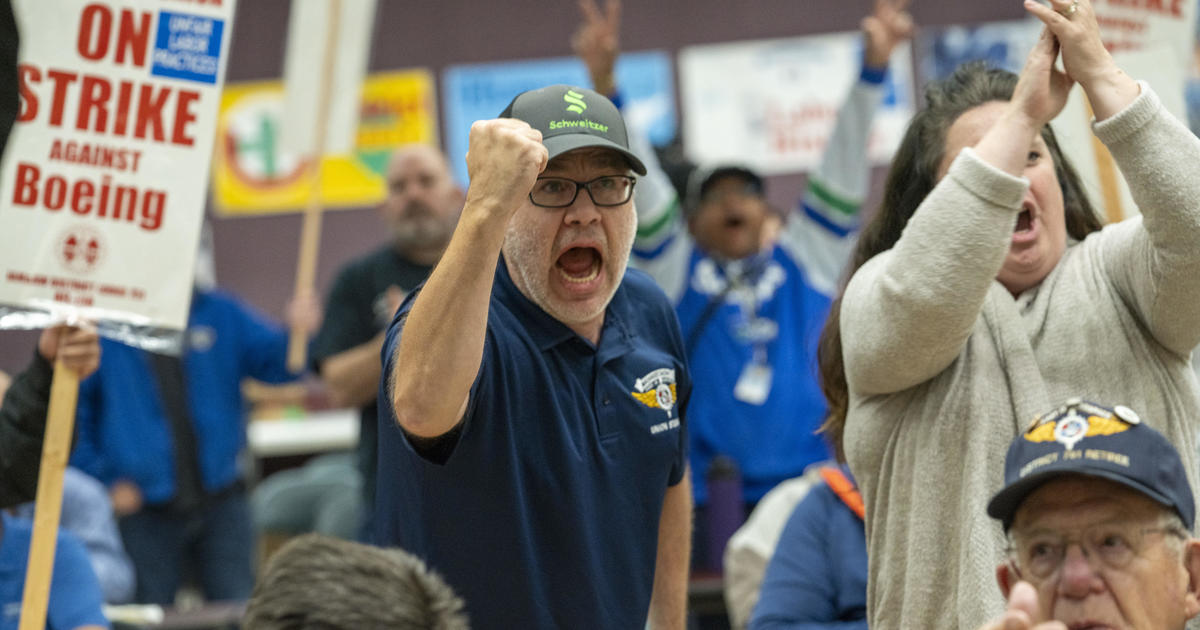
545, 514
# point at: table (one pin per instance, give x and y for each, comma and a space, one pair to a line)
314, 432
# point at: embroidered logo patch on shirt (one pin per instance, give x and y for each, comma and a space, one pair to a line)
656, 390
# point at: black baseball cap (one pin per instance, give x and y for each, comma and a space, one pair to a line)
703, 177
1084, 438
570, 118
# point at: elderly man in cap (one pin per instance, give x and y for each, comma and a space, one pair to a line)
1098, 510
536, 454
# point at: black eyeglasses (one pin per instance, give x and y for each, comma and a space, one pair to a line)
560, 192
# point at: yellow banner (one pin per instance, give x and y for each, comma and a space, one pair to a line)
252, 174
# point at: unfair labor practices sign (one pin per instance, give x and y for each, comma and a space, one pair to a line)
102, 185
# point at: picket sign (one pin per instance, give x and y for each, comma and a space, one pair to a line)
334, 118
102, 192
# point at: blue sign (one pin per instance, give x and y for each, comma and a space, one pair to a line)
187, 47
1002, 45
482, 91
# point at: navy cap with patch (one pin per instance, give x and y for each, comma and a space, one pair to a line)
1083, 438
572, 118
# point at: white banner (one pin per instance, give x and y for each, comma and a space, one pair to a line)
771, 104
1135, 25
102, 185
309, 25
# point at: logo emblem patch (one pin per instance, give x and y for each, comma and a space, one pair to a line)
575, 102
1074, 427
656, 390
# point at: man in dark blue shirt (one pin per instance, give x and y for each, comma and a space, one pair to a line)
533, 449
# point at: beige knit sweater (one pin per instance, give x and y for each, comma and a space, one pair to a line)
944, 364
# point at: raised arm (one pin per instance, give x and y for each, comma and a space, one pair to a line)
1153, 261
441, 347
821, 233
662, 245
907, 313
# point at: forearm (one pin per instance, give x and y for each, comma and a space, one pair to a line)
441, 347
1110, 91
844, 170
22, 425
822, 232
657, 203
1158, 267
668, 602
1006, 144
662, 246
352, 376
28, 397
906, 314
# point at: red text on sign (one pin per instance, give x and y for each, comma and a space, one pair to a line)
157, 110
1166, 7
96, 33
84, 197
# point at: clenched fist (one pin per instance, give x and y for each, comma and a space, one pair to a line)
504, 158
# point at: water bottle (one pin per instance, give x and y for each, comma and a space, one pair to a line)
725, 512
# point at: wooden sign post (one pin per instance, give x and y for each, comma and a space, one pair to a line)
60, 423
310, 231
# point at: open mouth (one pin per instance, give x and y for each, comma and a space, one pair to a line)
579, 265
1024, 222
1027, 228
734, 222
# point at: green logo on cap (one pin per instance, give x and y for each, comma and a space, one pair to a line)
576, 101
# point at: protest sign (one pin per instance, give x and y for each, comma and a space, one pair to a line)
102, 184
254, 173
771, 104
481, 91
999, 44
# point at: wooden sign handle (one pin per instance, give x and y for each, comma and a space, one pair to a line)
60, 423
310, 230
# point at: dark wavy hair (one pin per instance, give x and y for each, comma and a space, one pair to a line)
914, 172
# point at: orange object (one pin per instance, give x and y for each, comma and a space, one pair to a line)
844, 489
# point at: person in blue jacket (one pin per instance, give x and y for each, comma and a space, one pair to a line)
751, 285
75, 599
164, 434
817, 577
87, 514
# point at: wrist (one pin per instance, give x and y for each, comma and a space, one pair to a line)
873, 73
485, 219
605, 84
1017, 121
1110, 91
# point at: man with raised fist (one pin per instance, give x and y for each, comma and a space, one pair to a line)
537, 454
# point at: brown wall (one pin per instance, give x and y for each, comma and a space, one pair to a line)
256, 256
